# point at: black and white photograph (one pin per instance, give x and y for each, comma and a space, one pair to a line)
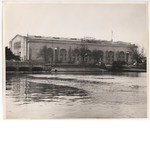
75, 60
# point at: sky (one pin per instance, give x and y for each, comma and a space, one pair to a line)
128, 21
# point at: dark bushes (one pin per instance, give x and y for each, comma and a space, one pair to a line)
118, 65
102, 66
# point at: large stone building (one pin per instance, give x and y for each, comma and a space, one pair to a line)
66, 50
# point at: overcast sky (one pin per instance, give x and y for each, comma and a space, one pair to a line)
128, 21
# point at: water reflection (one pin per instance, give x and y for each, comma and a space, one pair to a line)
29, 92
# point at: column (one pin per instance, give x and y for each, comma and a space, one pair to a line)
125, 54
115, 57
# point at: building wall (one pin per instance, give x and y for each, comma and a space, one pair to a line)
29, 49
115, 51
18, 46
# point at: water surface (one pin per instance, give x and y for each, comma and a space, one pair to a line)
76, 95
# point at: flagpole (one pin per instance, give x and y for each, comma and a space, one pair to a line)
112, 35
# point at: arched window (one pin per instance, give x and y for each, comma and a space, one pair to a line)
63, 55
76, 56
121, 56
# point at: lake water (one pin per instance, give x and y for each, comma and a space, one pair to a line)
76, 95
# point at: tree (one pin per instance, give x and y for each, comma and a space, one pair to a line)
9, 55
138, 54
46, 53
83, 51
97, 55
143, 54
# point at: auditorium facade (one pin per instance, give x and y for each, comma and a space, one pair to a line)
65, 50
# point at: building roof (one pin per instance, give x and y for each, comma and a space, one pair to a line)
53, 38
80, 40
16, 36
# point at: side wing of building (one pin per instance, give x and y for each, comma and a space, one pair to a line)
18, 46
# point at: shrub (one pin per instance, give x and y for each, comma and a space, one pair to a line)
102, 66
118, 65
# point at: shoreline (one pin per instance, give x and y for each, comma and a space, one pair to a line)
82, 69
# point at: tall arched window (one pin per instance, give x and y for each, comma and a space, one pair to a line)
75, 56
121, 56
63, 55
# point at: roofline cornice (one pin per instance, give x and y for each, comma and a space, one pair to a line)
78, 43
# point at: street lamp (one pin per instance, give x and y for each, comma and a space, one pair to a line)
55, 54
85, 58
